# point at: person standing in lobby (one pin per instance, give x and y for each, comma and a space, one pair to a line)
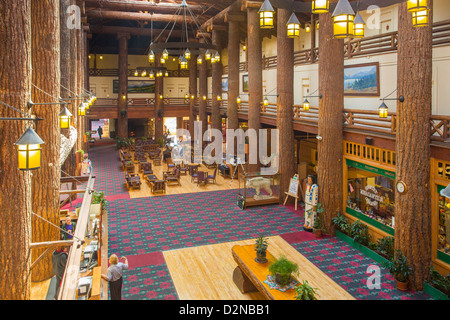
114, 276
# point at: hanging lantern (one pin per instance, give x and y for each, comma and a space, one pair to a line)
293, 27
217, 57
29, 150
183, 63
417, 5
204, 98
165, 54
136, 73
219, 98
383, 110
265, 102
144, 73
199, 60
64, 118
306, 105
238, 100
420, 18
187, 54
359, 26
151, 57
82, 109
213, 58
101, 57
192, 97
186, 96
244, 48
343, 20
161, 96
166, 74
320, 6
151, 75
308, 28
266, 15
208, 55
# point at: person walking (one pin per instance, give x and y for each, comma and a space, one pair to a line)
100, 132
59, 261
114, 276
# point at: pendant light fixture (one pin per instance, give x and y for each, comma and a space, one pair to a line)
293, 27
151, 56
383, 110
64, 118
183, 63
265, 102
343, 20
187, 54
82, 109
266, 15
208, 55
217, 56
359, 25
29, 150
306, 105
199, 59
320, 6
308, 28
416, 5
151, 75
420, 18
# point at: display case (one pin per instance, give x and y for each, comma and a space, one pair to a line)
444, 229
256, 189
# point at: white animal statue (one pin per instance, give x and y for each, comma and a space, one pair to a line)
258, 183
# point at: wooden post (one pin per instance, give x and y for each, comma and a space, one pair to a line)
122, 129
192, 93
81, 119
217, 71
255, 92
331, 106
285, 101
313, 39
233, 73
414, 82
46, 76
203, 90
15, 185
159, 102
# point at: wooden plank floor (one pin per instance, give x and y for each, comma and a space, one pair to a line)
210, 269
186, 185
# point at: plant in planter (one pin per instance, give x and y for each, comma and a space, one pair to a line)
261, 249
400, 269
305, 292
282, 269
360, 233
318, 227
440, 282
341, 224
161, 142
385, 247
99, 197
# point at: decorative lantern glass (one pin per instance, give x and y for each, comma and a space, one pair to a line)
64, 118
383, 110
219, 98
308, 28
343, 20
358, 26
151, 75
165, 54
293, 27
136, 73
204, 98
320, 6
183, 63
420, 18
238, 100
29, 150
166, 74
187, 54
417, 5
199, 60
306, 105
217, 57
266, 102
151, 57
208, 55
82, 109
266, 15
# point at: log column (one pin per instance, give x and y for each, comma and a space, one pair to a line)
217, 71
192, 93
81, 119
159, 102
123, 86
46, 75
255, 92
331, 86
15, 185
233, 73
203, 90
285, 101
414, 82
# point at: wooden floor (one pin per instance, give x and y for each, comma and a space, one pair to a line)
39, 289
186, 185
205, 273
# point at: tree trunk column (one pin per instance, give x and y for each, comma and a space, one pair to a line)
192, 93
414, 82
233, 74
217, 71
159, 102
203, 90
46, 75
331, 86
123, 86
285, 101
255, 92
15, 185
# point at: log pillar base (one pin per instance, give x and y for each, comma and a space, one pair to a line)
242, 281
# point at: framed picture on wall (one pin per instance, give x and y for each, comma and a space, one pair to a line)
225, 84
136, 86
362, 80
245, 83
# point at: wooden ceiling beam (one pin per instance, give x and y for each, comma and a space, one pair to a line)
140, 6
132, 31
135, 16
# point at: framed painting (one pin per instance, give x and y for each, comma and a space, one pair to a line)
136, 86
362, 80
245, 83
225, 84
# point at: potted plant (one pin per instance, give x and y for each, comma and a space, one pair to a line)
440, 282
99, 197
341, 223
400, 269
360, 233
385, 247
282, 269
305, 292
318, 227
261, 249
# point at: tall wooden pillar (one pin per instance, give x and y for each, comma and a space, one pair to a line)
192, 93
73, 106
255, 92
203, 91
123, 86
285, 101
81, 119
331, 106
15, 185
313, 39
233, 73
46, 75
159, 102
217, 71
414, 82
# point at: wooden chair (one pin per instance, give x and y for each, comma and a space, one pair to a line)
212, 178
175, 178
146, 168
193, 172
170, 164
128, 166
202, 177
183, 169
158, 186
133, 180
157, 161
155, 154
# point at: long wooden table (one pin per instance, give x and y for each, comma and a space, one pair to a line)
257, 273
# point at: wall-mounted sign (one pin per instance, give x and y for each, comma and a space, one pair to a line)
372, 197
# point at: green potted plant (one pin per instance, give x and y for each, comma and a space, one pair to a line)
261, 249
160, 141
99, 197
360, 233
304, 291
385, 247
341, 223
400, 269
282, 269
440, 282
318, 227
